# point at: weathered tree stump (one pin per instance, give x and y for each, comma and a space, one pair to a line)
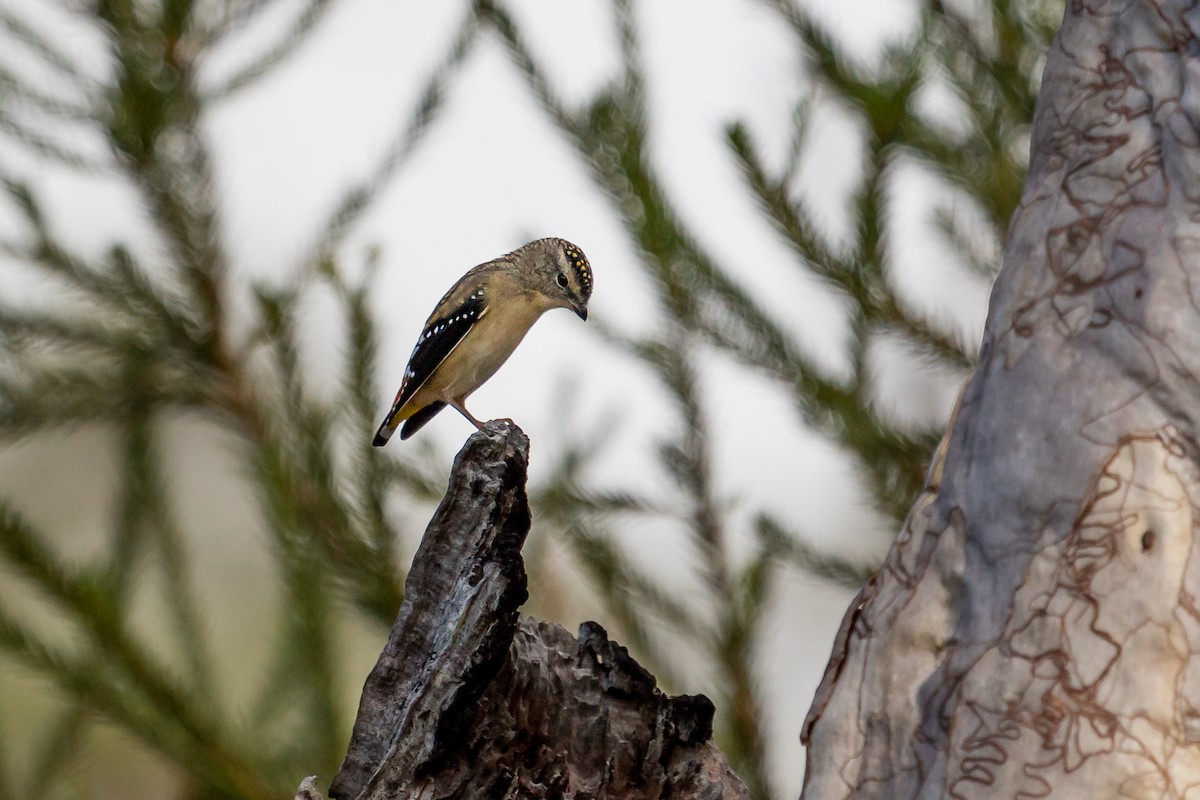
471, 699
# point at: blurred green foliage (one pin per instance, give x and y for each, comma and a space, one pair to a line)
131, 341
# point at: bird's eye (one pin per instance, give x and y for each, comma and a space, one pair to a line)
562, 279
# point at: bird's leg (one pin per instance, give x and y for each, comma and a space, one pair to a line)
461, 407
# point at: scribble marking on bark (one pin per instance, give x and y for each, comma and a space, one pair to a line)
1034, 630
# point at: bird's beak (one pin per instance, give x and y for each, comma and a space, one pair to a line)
580, 311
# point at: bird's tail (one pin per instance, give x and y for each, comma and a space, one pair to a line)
389, 425
385, 432
417, 419
414, 417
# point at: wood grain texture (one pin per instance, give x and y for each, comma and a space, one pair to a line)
470, 699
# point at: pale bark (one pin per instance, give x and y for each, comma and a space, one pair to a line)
1034, 631
471, 699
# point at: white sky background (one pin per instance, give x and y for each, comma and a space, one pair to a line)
493, 172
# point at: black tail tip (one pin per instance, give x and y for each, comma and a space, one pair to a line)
379, 441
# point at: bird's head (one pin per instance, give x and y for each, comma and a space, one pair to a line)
562, 273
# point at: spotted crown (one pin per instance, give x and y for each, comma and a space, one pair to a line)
582, 268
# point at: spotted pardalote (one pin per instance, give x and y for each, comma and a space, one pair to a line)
479, 323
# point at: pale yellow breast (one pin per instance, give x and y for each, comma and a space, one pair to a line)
484, 349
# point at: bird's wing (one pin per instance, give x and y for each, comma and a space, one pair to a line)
437, 342
443, 333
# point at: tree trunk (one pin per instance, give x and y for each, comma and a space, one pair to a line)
470, 699
1034, 629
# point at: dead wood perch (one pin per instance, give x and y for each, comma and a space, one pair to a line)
471, 699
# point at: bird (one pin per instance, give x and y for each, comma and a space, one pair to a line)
479, 323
